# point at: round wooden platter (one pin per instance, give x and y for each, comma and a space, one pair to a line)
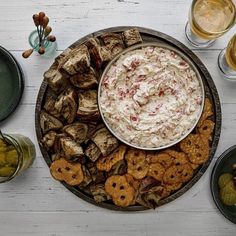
148, 35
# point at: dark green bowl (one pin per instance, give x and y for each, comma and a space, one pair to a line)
11, 83
223, 165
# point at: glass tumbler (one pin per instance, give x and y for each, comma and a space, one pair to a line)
227, 60
208, 20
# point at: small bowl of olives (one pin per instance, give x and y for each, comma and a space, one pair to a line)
223, 183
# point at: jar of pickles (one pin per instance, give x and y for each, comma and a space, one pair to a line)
17, 153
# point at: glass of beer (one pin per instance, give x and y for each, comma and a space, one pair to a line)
227, 60
208, 20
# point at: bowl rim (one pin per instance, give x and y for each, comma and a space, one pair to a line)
182, 55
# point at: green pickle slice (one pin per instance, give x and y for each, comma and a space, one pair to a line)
3, 148
2, 159
224, 179
228, 198
2, 144
7, 171
229, 188
228, 194
12, 157
8, 159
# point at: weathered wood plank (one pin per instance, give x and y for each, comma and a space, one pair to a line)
73, 19
110, 223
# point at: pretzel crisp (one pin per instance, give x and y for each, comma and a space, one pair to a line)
137, 164
178, 158
106, 163
207, 112
121, 192
133, 183
156, 170
185, 172
196, 148
163, 158
172, 176
206, 128
178, 174
72, 174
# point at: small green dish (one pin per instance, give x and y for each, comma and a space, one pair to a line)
223, 165
11, 83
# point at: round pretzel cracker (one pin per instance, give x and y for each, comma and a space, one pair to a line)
151, 156
206, 128
75, 176
137, 163
163, 158
57, 169
179, 158
171, 176
156, 170
72, 174
120, 190
185, 171
196, 148
132, 181
178, 174
207, 112
106, 163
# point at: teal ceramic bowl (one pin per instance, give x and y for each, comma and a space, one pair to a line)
223, 165
11, 83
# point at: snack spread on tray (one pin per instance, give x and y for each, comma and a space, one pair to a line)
87, 156
150, 97
227, 185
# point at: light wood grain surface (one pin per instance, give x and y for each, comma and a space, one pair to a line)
35, 204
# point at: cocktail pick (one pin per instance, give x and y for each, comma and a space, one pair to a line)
51, 38
27, 53
41, 21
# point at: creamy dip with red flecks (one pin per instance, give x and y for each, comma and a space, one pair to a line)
150, 97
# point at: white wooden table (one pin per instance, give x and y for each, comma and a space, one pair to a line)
35, 204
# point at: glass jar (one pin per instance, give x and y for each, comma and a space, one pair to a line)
25, 151
50, 47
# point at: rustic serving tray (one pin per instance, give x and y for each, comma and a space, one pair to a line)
148, 35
